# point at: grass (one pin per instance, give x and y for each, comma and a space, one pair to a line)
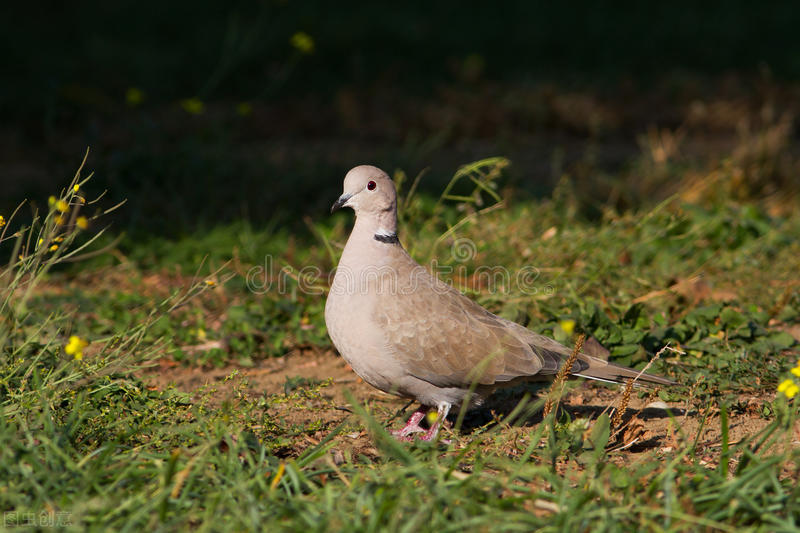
93, 443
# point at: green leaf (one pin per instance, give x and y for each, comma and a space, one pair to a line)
632, 336
598, 436
624, 349
632, 314
732, 319
781, 340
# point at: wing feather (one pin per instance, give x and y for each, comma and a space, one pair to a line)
445, 338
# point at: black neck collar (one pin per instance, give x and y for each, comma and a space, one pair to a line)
391, 238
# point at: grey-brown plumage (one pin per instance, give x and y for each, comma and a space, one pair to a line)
408, 333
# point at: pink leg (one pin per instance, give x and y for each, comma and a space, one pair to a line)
412, 426
441, 413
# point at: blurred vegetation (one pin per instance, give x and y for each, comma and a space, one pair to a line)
239, 50
651, 197
203, 112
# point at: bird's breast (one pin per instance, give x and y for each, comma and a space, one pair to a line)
350, 319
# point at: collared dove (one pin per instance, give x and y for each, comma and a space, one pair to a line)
408, 333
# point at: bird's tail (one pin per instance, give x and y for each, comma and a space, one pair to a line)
601, 370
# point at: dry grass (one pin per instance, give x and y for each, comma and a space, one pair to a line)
557, 388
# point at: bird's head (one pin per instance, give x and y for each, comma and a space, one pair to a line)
367, 189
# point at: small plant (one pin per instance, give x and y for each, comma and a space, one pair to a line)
49, 349
32, 346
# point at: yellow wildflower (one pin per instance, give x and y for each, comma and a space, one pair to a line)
193, 106
211, 283
40, 242
789, 388
51, 201
432, 417
2, 221
568, 326
62, 206
53, 247
76, 188
75, 347
302, 42
134, 96
796, 370
244, 109
81, 222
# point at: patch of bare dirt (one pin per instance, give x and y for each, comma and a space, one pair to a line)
268, 376
646, 426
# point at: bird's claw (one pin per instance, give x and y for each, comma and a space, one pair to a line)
406, 431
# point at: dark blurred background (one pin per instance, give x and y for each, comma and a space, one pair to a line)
200, 112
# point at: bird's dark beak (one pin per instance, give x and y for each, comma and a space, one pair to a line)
340, 202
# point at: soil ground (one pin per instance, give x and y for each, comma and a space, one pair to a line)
647, 424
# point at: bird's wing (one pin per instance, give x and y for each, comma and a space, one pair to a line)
445, 338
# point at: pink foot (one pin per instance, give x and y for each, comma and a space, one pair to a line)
412, 426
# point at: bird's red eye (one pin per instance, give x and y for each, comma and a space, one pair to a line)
371, 185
